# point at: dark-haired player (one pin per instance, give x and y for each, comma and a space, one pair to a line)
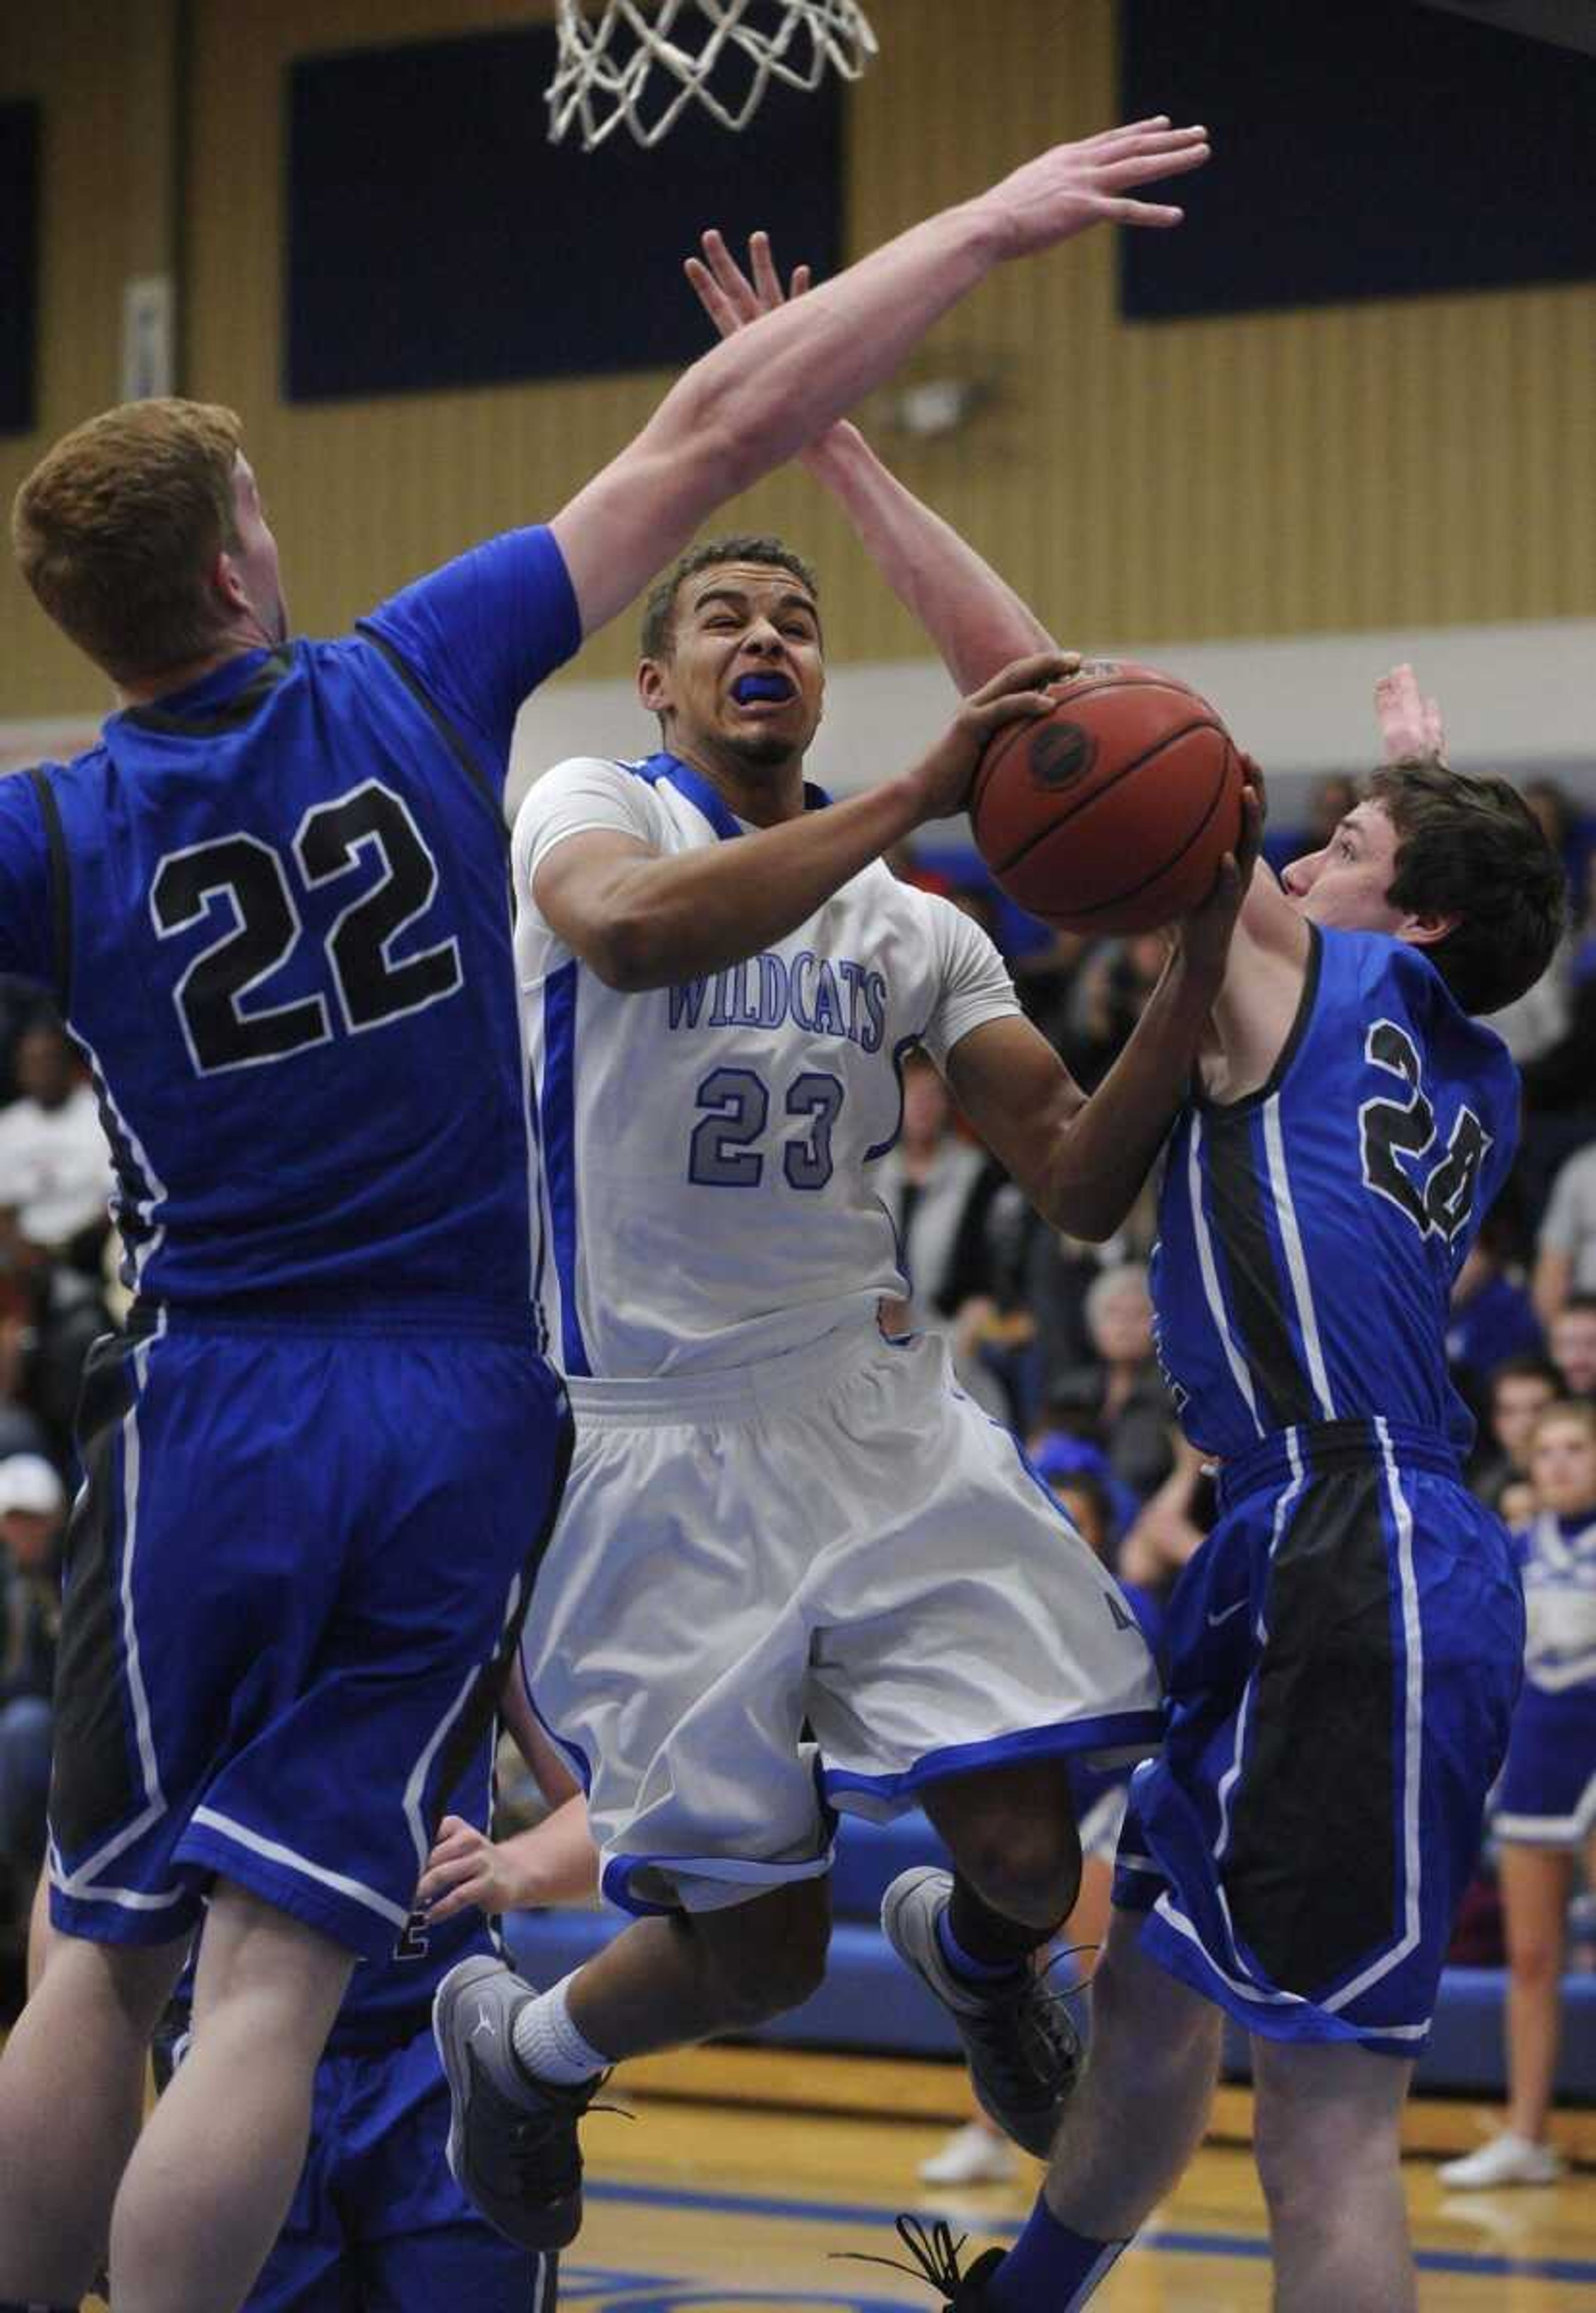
1345, 1650
271, 902
774, 1516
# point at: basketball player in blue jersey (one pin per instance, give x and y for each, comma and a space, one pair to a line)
1344, 1648
271, 903
378, 2223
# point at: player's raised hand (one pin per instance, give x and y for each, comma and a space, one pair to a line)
734, 295
1410, 724
731, 297
1203, 936
1016, 693
1064, 191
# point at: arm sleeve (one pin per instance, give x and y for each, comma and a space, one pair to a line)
485, 630
27, 932
974, 983
582, 794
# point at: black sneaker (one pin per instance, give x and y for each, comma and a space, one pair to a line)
1023, 2051
513, 2144
935, 2253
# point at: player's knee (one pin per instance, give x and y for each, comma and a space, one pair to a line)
1301, 2134
1027, 1871
1173, 2030
778, 1963
1535, 1962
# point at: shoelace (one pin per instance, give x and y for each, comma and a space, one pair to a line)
1046, 2034
935, 2250
531, 2138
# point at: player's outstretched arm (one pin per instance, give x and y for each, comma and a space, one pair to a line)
756, 399
974, 617
1083, 1162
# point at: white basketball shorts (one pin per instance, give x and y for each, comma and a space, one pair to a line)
817, 1583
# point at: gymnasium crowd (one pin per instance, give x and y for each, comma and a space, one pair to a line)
1053, 1338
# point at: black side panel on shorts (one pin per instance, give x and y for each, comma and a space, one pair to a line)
95, 1783
1311, 1874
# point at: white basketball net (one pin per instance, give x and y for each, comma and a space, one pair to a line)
633, 61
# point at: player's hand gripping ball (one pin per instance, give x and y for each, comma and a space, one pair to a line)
1112, 813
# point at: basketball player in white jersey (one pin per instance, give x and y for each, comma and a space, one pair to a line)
796, 1570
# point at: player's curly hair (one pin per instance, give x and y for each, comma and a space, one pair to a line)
118, 525
659, 611
1471, 847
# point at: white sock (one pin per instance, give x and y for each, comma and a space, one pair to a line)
548, 2044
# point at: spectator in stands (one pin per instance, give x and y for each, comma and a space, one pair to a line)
1571, 833
32, 1515
1133, 1404
1066, 1454
1565, 1245
1515, 1504
50, 1315
1570, 1338
54, 1165
1107, 997
1173, 1524
936, 1186
1518, 1392
1582, 964
20, 1432
20, 1007
1545, 1806
1562, 1080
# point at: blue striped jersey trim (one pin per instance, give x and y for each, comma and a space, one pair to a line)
559, 1152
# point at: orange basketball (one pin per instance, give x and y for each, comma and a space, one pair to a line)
1112, 813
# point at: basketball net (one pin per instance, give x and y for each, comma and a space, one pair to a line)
642, 61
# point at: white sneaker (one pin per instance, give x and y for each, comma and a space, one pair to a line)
1506, 2160
972, 2155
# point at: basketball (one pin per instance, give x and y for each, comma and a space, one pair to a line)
1112, 813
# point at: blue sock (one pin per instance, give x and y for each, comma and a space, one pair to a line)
973, 1971
1049, 2269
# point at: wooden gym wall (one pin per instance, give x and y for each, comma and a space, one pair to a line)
1422, 462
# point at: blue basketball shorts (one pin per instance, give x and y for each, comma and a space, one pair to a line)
294, 1584
1345, 1653
378, 2224
1546, 1797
